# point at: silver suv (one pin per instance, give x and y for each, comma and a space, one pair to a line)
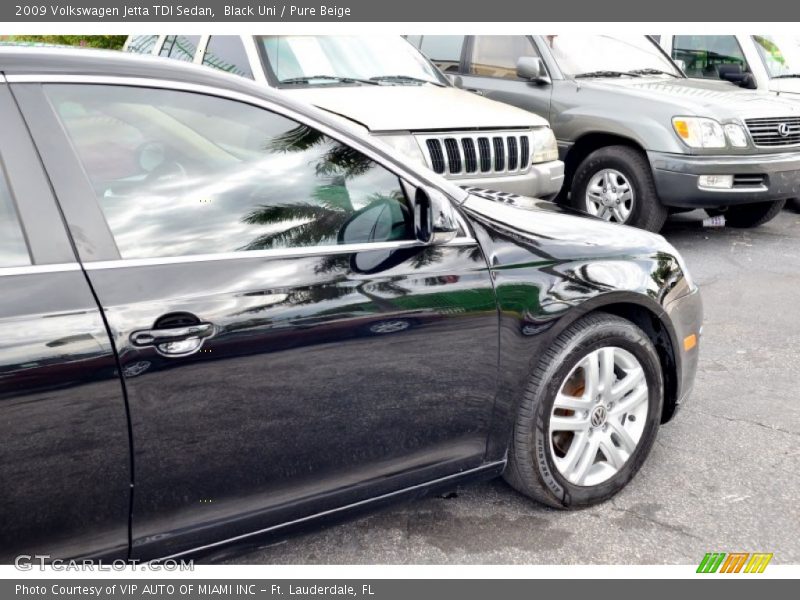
639, 138
395, 94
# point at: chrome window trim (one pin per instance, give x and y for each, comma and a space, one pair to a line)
278, 253
38, 269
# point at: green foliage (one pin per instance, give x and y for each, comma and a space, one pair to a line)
109, 42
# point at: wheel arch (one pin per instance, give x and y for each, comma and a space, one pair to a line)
588, 143
651, 319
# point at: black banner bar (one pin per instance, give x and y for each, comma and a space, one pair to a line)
381, 589
267, 11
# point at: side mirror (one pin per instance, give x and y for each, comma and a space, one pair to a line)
456, 80
680, 63
735, 74
532, 69
435, 220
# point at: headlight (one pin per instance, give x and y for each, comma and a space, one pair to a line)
545, 147
736, 135
405, 145
699, 132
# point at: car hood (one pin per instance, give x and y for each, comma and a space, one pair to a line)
791, 87
702, 97
382, 108
573, 233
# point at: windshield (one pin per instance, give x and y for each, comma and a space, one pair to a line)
604, 55
781, 54
353, 60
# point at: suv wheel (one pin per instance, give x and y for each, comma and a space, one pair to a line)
615, 183
589, 416
750, 215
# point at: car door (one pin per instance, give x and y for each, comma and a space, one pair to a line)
65, 457
491, 68
282, 354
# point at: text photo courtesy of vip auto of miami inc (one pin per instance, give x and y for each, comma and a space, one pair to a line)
358, 296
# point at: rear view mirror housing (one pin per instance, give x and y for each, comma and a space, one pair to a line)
435, 220
532, 68
735, 74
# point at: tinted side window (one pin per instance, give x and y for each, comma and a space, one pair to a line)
497, 55
443, 50
142, 44
703, 54
13, 249
178, 173
227, 53
180, 47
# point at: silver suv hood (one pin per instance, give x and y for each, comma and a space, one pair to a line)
416, 108
718, 99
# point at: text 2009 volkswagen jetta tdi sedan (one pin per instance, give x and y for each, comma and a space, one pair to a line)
222, 312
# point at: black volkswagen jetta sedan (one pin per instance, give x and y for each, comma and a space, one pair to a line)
223, 313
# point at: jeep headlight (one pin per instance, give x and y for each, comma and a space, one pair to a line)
545, 147
405, 145
699, 132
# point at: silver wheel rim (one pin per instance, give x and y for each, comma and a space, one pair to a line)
609, 196
598, 416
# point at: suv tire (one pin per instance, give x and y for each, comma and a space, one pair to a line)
646, 210
535, 448
750, 215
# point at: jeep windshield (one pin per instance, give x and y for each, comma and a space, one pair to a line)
328, 60
609, 56
781, 55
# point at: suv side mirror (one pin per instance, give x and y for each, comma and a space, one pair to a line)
532, 69
435, 220
735, 74
680, 63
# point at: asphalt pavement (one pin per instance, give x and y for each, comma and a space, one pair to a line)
723, 476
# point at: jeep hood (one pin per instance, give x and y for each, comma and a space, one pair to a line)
701, 97
384, 108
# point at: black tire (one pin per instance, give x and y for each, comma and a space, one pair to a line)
647, 211
794, 204
746, 216
531, 469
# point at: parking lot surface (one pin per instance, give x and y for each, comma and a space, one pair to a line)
722, 476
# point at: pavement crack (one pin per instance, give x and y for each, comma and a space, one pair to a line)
651, 520
748, 421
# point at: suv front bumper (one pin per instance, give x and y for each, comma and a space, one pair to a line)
762, 177
543, 180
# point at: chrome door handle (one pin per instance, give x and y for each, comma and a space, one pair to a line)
476, 92
175, 341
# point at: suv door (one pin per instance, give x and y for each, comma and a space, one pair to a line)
64, 457
287, 346
491, 68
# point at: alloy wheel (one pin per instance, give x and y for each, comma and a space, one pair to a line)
598, 416
609, 196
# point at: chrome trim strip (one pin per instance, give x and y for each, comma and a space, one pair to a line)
37, 269
279, 253
456, 476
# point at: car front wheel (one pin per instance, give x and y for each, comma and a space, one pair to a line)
589, 416
615, 183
